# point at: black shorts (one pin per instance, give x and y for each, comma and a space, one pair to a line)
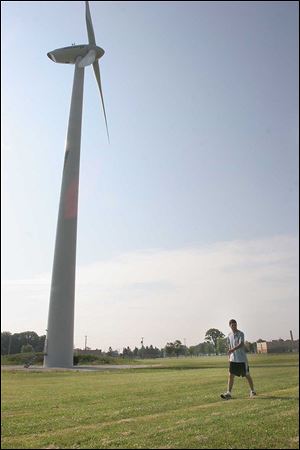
238, 369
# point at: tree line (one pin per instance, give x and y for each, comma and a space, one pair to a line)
27, 341
215, 342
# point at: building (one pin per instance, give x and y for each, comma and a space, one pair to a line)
278, 346
88, 351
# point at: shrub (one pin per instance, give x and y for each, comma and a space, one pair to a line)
27, 348
22, 358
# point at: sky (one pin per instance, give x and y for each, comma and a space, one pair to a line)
189, 216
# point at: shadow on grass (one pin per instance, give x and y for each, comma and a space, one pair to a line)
187, 367
270, 365
272, 397
217, 366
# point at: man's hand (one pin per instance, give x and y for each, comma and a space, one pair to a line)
230, 351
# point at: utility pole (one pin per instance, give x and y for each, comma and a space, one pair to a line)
46, 343
142, 349
292, 340
9, 344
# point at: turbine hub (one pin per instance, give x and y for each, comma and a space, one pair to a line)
68, 55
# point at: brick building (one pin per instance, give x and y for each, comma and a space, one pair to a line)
277, 346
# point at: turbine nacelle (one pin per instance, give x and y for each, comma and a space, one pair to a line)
83, 55
68, 55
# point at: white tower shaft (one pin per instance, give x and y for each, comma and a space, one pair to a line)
60, 331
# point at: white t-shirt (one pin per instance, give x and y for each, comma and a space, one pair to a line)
234, 339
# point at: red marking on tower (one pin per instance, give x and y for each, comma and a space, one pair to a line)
71, 200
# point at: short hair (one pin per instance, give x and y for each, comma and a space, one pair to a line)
232, 321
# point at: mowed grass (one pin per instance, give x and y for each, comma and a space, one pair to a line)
176, 405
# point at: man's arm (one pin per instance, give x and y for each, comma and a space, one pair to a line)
241, 344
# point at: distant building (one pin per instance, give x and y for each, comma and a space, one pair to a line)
278, 346
88, 351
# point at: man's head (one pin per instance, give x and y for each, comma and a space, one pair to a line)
233, 324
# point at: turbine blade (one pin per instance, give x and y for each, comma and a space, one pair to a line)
89, 24
88, 59
97, 74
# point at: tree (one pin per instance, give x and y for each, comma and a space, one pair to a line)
192, 350
221, 345
127, 352
212, 335
141, 352
179, 348
110, 352
250, 347
40, 346
27, 348
175, 348
6, 338
169, 349
12, 343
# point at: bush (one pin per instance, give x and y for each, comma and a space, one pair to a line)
98, 359
27, 348
22, 358
86, 358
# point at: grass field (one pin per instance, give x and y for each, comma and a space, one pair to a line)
176, 405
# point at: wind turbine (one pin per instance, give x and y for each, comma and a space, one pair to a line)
60, 331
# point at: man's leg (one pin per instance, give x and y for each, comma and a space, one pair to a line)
227, 395
230, 382
250, 381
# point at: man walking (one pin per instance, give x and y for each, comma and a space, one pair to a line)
238, 363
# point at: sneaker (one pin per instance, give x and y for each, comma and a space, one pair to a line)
252, 394
226, 396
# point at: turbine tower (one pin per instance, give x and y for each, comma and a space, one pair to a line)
60, 331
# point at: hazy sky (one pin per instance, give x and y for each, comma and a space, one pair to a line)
189, 217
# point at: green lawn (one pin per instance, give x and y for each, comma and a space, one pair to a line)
176, 405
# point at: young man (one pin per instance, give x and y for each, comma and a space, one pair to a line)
238, 363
